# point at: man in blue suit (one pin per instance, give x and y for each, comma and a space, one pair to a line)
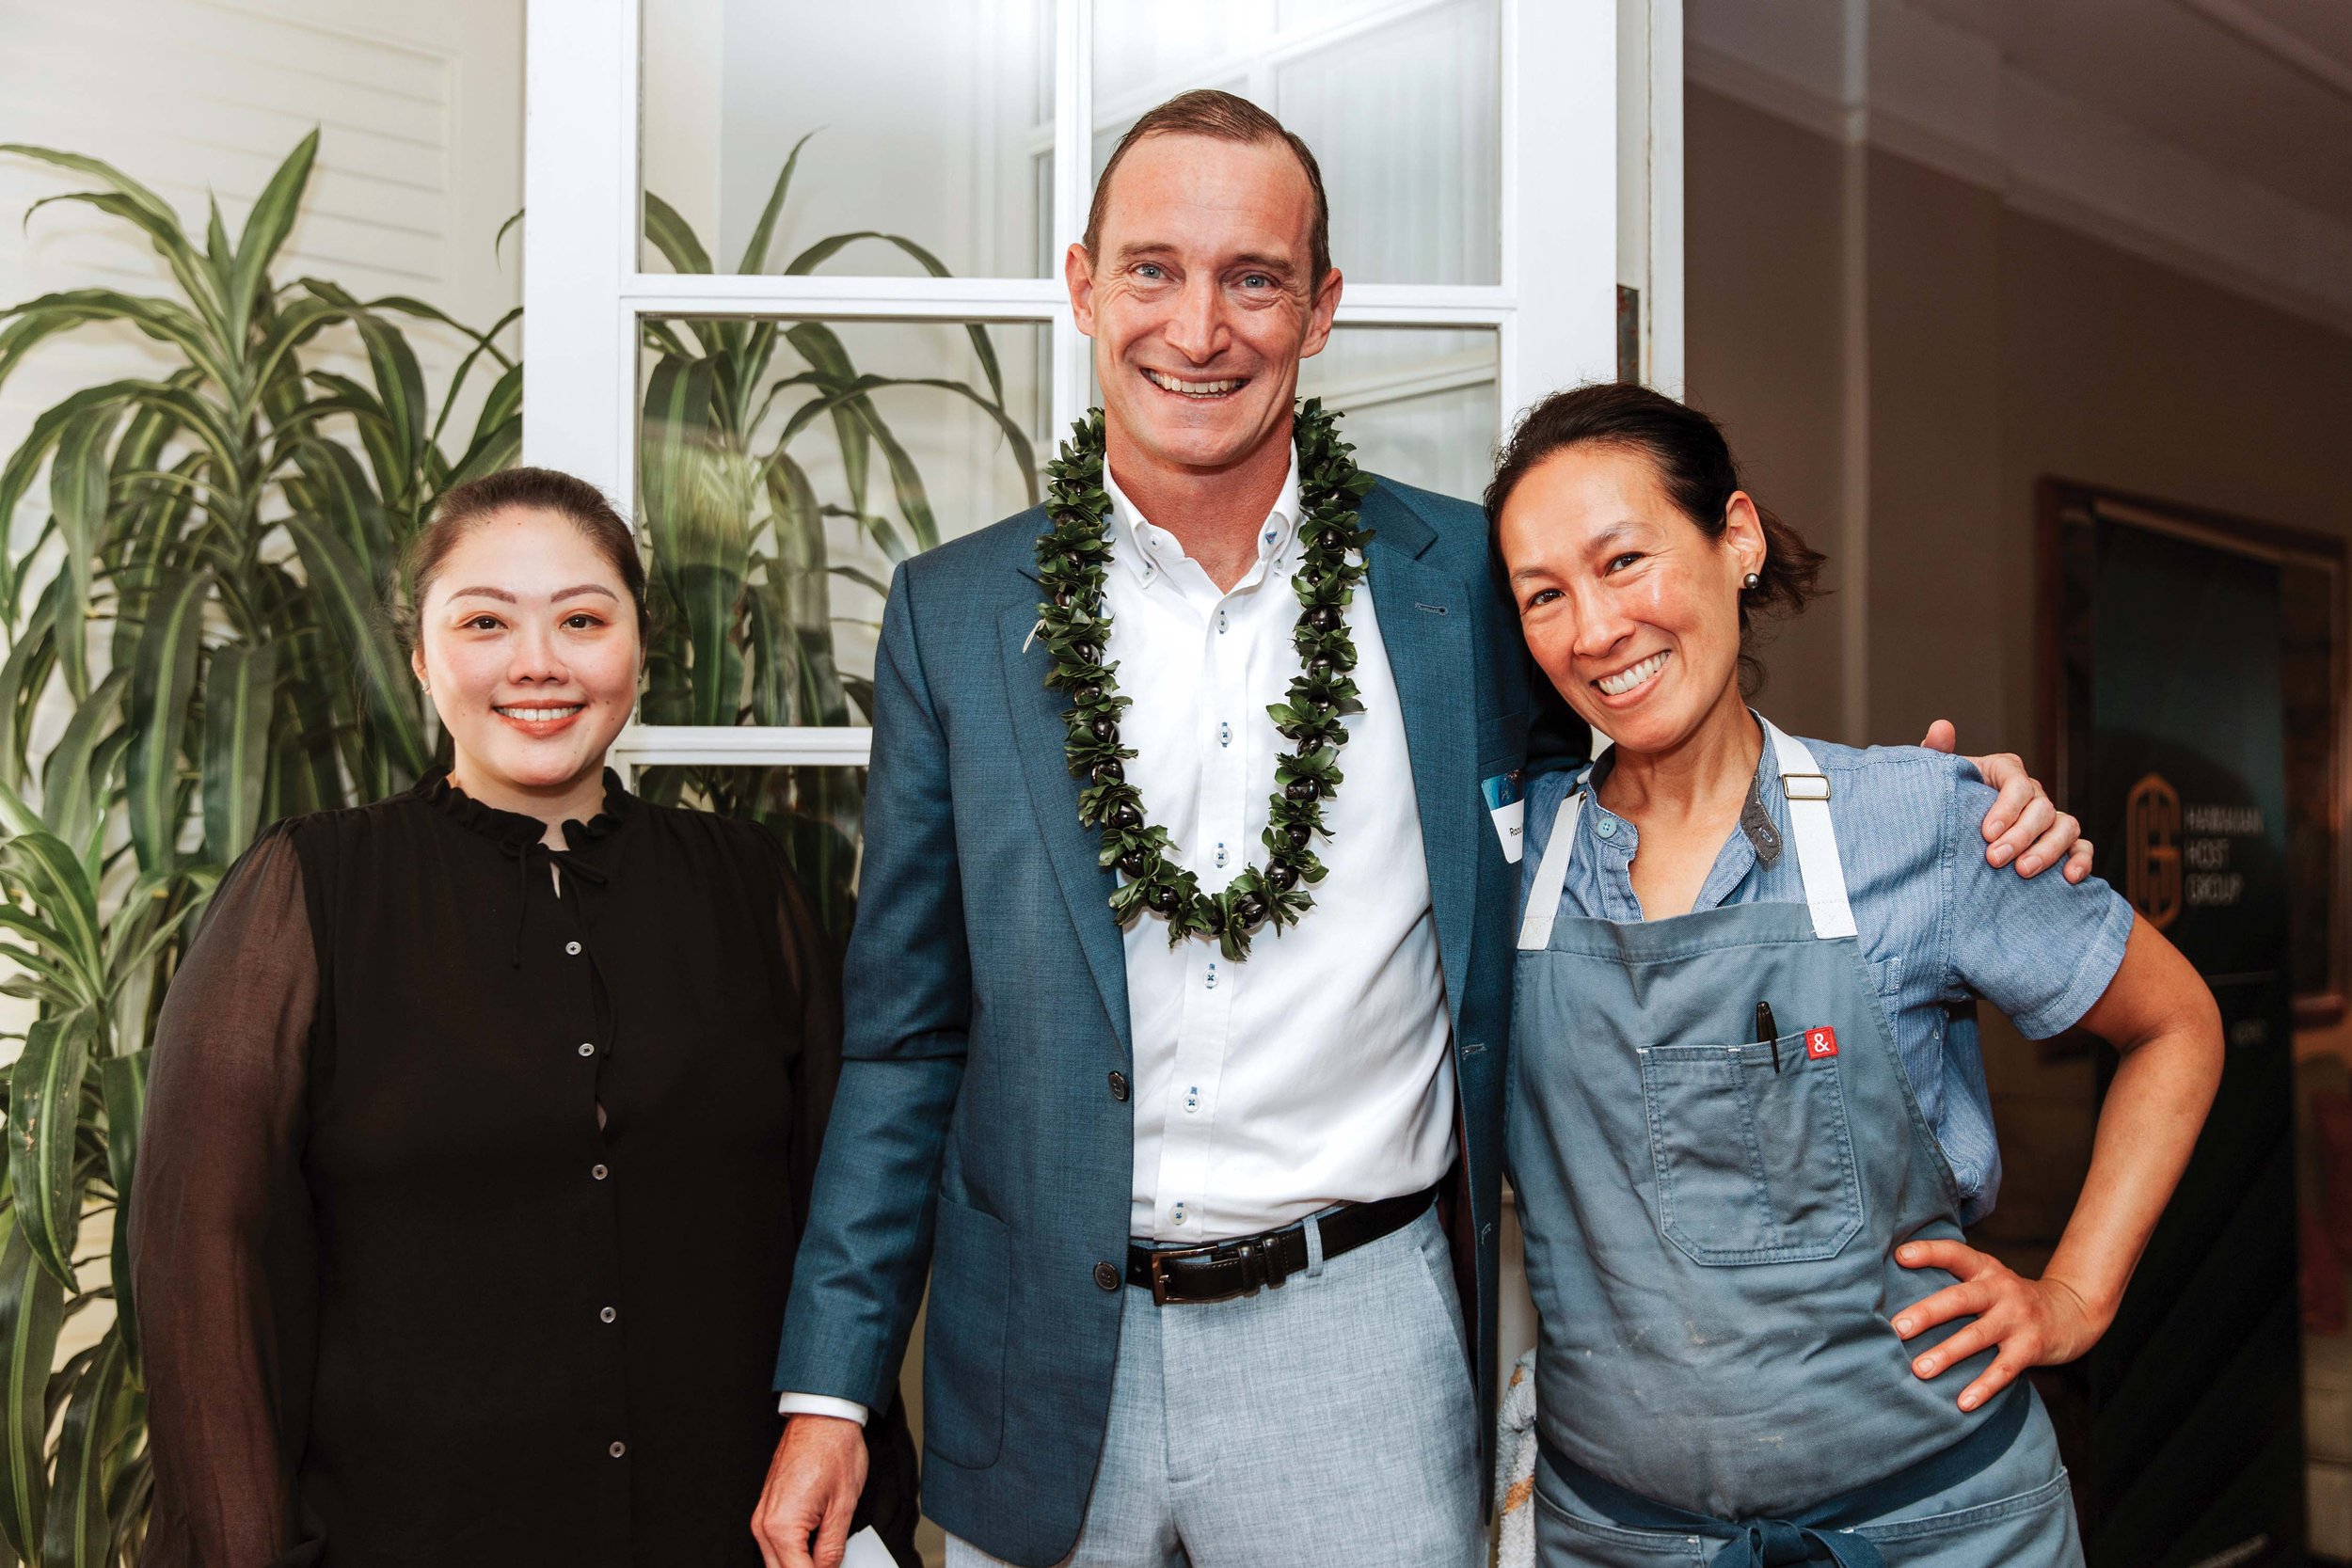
1206, 1182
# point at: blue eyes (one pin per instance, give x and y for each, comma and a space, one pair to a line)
1153, 273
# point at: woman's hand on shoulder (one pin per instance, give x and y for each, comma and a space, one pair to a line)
2035, 1323
2025, 826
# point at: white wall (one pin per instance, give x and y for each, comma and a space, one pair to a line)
420, 107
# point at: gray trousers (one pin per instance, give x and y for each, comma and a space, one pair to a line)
1331, 1421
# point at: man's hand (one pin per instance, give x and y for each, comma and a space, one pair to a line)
813, 1486
2024, 825
2036, 1322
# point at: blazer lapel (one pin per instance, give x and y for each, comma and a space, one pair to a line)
1424, 622
1039, 733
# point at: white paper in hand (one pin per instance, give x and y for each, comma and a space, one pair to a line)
867, 1551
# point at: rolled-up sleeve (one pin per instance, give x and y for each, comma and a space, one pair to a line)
2040, 949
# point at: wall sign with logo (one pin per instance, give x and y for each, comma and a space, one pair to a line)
2194, 720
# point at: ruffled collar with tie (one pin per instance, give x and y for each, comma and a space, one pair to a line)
519, 835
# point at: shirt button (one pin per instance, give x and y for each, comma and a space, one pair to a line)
617, 1449
1606, 827
587, 1048
1119, 1085
599, 1172
608, 1314
573, 948
1106, 1275
1177, 1213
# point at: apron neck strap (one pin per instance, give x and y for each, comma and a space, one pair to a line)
1806, 789
1551, 874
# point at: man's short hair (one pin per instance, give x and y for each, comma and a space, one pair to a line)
1223, 117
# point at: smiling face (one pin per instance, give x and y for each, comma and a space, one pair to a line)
529, 642
1631, 611
1199, 302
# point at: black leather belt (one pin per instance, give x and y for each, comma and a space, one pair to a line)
1246, 1264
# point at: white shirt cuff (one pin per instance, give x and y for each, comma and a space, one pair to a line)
821, 1404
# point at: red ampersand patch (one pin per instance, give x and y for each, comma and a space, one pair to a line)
1820, 1042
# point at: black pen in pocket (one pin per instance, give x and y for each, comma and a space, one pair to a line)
1767, 1032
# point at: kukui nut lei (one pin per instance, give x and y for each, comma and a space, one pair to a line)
1071, 557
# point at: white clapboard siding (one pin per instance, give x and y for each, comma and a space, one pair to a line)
420, 110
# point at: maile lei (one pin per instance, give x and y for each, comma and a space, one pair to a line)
1071, 557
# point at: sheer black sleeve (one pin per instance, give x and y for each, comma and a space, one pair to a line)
812, 967
222, 1257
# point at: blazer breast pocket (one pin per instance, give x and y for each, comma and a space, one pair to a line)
1501, 742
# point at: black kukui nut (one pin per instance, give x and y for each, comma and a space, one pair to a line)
1109, 772
1302, 789
1103, 729
1089, 692
1163, 899
1298, 833
1318, 667
1323, 617
1250, 909
1136, 863
1281, 875
1085, 653
1061, 601
1126, 818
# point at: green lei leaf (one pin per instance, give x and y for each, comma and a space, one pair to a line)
1072, 555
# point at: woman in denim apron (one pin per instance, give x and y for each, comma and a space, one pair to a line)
1748, 1116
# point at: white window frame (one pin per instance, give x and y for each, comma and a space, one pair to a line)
1554, 312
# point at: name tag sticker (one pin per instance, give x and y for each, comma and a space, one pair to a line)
1820, 1042
1509, 811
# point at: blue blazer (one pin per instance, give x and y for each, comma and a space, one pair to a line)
974, 1130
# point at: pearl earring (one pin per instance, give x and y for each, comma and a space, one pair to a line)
1750, 582
425, 687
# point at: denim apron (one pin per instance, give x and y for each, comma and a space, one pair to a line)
1718, 1380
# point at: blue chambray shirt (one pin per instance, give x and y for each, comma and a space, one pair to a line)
1939, 926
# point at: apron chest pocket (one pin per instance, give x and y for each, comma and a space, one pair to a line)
1752, 1165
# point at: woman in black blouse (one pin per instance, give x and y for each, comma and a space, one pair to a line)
481, 1123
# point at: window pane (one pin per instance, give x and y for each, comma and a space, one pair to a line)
931, 119
785, 467
816, 813
1419, 404
1401, 105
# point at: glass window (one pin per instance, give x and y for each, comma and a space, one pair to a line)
928, 120
785, 467
1401, 104
1421, 404
816, 813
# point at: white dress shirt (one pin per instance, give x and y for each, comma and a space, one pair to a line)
1316, 1071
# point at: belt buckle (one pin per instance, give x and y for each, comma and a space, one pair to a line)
1255, 1255
1159, 1270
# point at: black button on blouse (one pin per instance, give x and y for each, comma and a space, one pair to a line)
467, 1198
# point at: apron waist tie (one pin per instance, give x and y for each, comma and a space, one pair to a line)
1825, 1532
